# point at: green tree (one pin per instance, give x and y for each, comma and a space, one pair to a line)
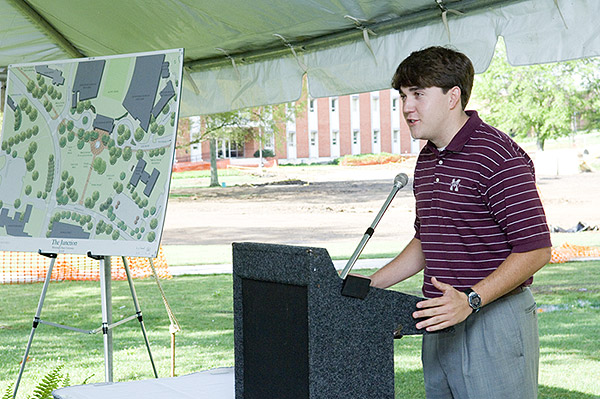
139, 134
33, 115
263, 124
18, 119
99, 165
30, 86
538, 100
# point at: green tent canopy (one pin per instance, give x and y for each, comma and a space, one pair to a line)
241, 53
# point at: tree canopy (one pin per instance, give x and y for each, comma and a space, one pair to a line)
544, 101
261, 124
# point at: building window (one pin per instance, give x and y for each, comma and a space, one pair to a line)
375, 136
313, 138
291, 114
228, 149
334, 137
395, 104
311, 105
355, 137
354, 103
291, 139
333, 104
395, 135
375, 102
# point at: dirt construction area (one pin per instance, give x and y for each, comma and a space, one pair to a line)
320, 205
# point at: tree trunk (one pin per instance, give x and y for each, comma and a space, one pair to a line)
214, 176
540, 144
260, 145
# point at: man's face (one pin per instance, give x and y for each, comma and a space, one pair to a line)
426, 111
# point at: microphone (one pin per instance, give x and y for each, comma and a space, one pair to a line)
400, 181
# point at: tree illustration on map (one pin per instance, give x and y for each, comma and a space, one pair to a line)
86, 154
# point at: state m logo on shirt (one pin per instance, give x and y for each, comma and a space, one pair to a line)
454, 185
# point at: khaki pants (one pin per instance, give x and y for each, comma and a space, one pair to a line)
492, 354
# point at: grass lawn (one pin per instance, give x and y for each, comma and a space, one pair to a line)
180, 255
201, 178
568, 295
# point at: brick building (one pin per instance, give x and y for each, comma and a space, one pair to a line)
328, 128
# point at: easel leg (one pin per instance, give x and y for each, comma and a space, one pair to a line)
106, 296
36, 320
138, 312
174, 327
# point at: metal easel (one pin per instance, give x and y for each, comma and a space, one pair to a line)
107, 324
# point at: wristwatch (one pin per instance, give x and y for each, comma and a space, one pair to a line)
474, 299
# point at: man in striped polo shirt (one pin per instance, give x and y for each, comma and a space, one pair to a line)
481, 234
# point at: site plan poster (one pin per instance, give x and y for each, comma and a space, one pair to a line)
87, 151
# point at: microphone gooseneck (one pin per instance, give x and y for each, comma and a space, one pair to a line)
400, 181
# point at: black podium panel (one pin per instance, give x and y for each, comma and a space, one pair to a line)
297, 337
275, 340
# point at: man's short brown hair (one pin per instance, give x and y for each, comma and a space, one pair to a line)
436, 67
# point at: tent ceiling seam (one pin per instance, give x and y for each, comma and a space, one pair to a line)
366, 32
47, 28
291, 47
414, 19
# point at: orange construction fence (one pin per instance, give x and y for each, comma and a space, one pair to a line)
569, 252
29, 267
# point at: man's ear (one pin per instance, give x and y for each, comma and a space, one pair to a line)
454, 98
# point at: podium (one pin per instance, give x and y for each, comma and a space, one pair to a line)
297, 337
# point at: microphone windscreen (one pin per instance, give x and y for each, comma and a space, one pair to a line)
400, 180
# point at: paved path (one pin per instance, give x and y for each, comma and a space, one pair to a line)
227, 268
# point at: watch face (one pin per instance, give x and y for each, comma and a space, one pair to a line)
474, 300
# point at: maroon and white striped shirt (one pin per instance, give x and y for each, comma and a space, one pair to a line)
476, 203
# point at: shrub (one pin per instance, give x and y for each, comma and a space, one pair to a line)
266, 153
370, 159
